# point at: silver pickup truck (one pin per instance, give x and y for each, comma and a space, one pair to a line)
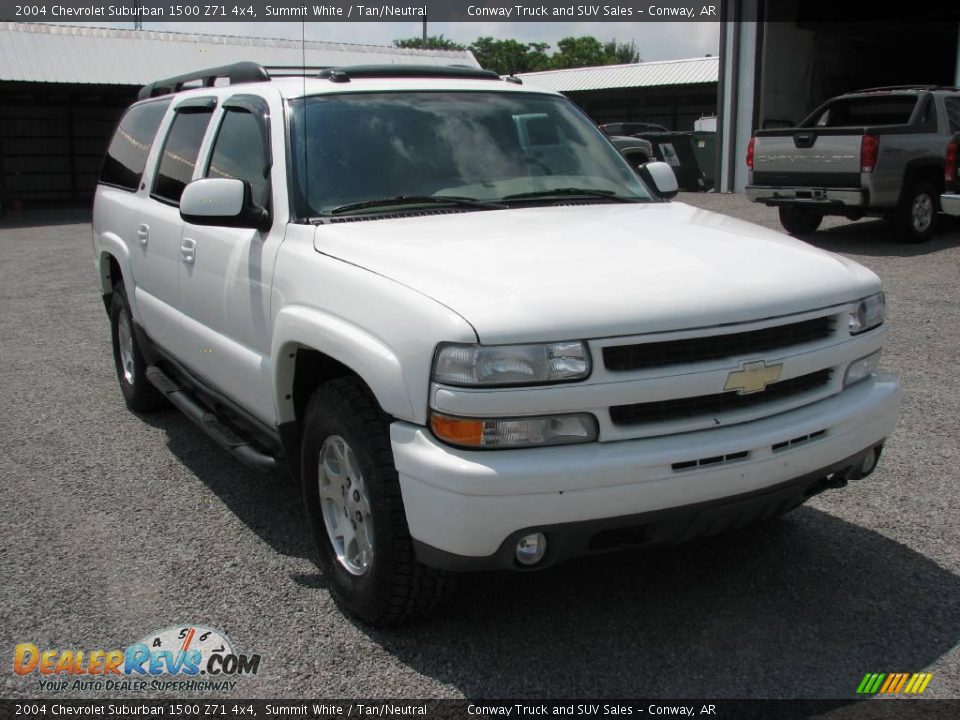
877, 152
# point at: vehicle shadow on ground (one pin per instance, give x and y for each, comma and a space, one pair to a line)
878, 238
803, 606
799, 607
269, 504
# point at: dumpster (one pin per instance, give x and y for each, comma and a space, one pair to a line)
705, 148
676, 149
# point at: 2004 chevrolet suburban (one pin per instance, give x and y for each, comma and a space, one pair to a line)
472, 331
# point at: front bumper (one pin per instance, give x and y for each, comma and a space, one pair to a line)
950, 203
808, 196
463, 507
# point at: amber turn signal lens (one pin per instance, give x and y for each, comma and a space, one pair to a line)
459, 431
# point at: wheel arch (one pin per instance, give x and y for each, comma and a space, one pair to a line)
310, 348
113, 264
929, 169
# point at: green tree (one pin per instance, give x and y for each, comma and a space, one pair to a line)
506, 57
584, 51
621, 53
434, 42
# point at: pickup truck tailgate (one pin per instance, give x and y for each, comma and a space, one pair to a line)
807, 158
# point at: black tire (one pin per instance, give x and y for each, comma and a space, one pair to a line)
138, 393
799, 221
394, 586
917, 214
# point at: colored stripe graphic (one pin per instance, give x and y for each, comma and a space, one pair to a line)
894, 683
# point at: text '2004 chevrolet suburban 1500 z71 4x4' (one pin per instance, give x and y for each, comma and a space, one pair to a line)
472, 331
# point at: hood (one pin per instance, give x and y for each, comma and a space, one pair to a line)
591, 271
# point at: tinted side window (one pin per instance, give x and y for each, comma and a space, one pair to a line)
127, 154
180, 152
953, 113
238, 152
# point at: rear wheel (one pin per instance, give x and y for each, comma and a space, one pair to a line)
799, 221
352, 496
917, 215
131, 366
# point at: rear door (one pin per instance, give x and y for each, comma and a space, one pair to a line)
160, 227
225, 289
121, 192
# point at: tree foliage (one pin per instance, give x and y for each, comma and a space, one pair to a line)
506, 57
434, 42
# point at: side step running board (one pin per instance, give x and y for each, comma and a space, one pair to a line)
229, 440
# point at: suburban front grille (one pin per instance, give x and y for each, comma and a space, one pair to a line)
683, 408
715, 347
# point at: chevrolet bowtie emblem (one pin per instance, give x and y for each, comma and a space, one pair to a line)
753, 378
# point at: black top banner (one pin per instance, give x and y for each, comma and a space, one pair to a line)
107, 11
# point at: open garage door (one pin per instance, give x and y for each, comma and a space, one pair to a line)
806, 62
52, 140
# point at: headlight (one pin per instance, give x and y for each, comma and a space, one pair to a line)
514, 432
868, 315
861, 369
457, 364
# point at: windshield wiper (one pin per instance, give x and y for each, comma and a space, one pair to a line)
418, 200
565, 191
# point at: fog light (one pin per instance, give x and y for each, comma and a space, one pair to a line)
531, 548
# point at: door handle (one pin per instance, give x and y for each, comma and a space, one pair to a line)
143, 232
188, 250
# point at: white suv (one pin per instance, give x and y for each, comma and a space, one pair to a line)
475, 334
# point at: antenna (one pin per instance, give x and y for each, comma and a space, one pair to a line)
303, 108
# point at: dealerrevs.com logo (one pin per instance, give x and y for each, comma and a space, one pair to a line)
183, 658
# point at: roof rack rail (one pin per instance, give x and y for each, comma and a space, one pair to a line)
237, 73
906, 87
346, 73
249, 72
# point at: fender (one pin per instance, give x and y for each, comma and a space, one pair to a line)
299, 326
109, 243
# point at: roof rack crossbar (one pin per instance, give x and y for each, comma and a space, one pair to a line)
346, 73
237, 73
294, 70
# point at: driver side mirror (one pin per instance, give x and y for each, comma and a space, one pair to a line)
224, 202
660, 178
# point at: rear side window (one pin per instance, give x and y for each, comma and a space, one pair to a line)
953, 113
127, 155
852, 112
239, 153
179, 156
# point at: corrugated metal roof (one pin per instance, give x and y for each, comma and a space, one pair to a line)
39, 52
647, 74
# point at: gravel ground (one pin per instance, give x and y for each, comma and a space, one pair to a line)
116, 525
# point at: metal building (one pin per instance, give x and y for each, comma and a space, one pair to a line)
672, 93
62, 89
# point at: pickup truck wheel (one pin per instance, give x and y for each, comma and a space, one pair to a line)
131, 366
353, 502
799, 221
918, 213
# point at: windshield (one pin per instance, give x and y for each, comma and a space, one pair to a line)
356, 148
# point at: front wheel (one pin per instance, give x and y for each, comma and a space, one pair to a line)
918, 213
353, 502
799, 221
